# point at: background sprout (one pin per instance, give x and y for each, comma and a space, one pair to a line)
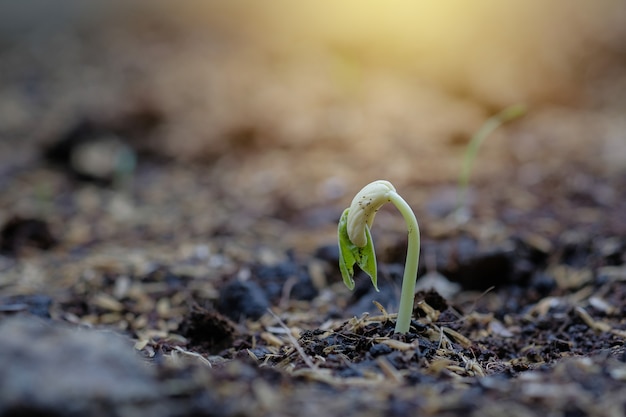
506, 115
356, 246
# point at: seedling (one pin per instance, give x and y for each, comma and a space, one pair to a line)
506, 115
356, 246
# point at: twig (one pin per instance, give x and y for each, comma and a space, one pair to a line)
307, 360
193, 355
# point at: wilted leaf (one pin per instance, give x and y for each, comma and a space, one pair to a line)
349, 254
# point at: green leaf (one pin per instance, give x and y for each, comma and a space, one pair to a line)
349, 254
346, 256
367, 258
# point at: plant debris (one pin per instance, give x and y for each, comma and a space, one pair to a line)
206, 282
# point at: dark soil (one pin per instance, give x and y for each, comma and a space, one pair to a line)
142, 274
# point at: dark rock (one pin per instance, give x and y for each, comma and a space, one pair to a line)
20, 233
36, 304
379, 349
483, 270
273, 278
241, 300
328, 253
461, 260
208, 330
543, 284
433, 299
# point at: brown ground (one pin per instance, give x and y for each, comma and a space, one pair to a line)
216, 255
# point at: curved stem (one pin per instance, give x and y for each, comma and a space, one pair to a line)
407, 296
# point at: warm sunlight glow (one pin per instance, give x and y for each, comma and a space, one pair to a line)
503, 51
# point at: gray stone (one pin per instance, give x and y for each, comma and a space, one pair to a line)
54, 369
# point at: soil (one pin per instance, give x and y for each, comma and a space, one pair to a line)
149, 266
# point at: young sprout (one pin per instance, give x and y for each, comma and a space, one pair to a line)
356, 246
506, 115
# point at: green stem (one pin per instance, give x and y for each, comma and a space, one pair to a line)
506, 115
405, 310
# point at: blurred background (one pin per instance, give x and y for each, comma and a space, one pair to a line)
309, 100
